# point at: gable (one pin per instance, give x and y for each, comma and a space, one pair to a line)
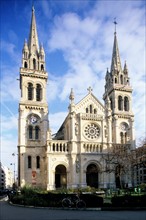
89, 102
81, 106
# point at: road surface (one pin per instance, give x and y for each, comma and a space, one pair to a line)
11, 212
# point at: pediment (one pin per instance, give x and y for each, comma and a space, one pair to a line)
86, 102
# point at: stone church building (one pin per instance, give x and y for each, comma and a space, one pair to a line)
74, 157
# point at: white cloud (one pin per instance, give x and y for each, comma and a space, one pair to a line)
71, 31
10, 86
76, 40
9, 68
9, 123
46, 8
11, 50
53, 88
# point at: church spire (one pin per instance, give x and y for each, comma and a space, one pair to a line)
116, 63
33, 36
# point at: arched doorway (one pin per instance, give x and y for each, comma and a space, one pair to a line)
92, 175
119, 176
60, 176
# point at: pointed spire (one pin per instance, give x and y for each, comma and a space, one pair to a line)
42, 50
25, 45
33, 37
125, 67
107, 74
116, 63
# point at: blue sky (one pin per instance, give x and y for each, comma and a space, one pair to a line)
77, 36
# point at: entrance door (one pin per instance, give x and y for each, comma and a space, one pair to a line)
119, 177
92, 175
60, 176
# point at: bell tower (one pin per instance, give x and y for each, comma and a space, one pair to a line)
33, 112
118, 94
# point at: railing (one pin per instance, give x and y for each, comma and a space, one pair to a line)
61, 146
58, 146
121, 147
27, 70
88, 116
92, 148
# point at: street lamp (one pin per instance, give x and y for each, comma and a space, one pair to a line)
14, 170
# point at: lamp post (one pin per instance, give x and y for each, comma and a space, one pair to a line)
14, 171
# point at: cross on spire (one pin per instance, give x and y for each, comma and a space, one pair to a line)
115, 22
90, 89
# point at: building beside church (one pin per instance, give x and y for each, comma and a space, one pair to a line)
6, 177
140, 165
75, 157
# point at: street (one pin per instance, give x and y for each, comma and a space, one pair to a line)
10, 212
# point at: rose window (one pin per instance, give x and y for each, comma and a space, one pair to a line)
91, 131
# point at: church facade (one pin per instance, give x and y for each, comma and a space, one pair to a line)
75, 157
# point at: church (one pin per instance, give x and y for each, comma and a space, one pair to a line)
75, 156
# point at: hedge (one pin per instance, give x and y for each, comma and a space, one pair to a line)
129, 201
54, 200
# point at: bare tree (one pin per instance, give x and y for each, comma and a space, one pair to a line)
120, 159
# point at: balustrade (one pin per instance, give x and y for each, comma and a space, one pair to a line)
92, 148
89, 116
58, 146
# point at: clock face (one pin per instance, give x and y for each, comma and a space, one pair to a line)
123, 126
33, 120
91, 131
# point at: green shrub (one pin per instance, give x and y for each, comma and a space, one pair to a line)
17, 199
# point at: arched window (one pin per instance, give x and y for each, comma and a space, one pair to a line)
86, 110
115, 80
30, 132
126, 104
30, 91
121, 79
122, 137
37, 132
42, 67
91, 109
34, 63
38, 162
38, 92
95, 111
29, 161
125, 137
25, 64
120, 103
